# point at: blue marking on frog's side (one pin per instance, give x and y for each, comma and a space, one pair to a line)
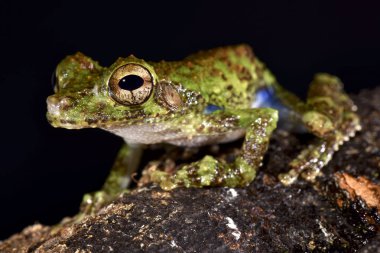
288, 119
266, 97
210, 108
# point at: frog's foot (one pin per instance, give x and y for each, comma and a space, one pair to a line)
213, 172
309, 162
330, 115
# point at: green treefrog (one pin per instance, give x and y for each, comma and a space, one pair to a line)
209, 97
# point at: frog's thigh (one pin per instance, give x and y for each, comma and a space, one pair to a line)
259, 124
329, 114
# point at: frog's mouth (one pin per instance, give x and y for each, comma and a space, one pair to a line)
59, 114
65, 123
66, 113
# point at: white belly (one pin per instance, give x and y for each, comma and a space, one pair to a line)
162, 133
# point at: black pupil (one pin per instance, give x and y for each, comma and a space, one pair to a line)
131, 82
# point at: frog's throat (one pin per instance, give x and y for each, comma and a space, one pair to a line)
162, 133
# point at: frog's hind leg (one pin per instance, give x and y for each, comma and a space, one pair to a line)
330, 115
209, 171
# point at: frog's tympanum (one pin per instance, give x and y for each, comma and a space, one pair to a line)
210, 97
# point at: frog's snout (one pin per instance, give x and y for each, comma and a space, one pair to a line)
56, 105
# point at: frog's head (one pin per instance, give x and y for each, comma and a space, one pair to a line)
127, 93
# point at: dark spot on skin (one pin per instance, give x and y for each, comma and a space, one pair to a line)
101, 105
72, 122
189, 64
193, 173
215, 72
134, 114
223, 58
233, 100
83, 61
244, 51
224, 77
229, 87
244, 74
91, 121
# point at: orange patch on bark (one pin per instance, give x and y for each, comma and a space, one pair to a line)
360, 187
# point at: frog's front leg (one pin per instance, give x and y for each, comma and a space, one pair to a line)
330, 115
118, 180
259, 124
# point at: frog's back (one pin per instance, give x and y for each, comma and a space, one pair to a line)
225, 76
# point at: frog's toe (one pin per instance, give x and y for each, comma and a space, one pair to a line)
311, 174
309, 162
288, 178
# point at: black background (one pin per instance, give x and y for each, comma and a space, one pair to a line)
45, 171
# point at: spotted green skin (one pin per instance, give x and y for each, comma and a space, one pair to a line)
227, 77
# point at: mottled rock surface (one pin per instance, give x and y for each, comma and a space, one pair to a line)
339, 213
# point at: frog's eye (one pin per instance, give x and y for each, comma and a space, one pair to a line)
130, 84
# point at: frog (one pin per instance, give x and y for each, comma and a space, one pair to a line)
210, 97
